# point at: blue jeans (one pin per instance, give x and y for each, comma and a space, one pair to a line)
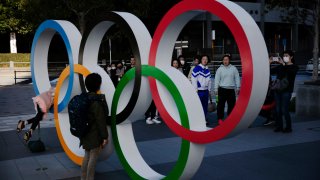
204, 97
282, 109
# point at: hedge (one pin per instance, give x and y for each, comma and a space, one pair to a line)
19, 57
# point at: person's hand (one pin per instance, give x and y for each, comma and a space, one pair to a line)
237, 92
215, 93
281, 61
104, 143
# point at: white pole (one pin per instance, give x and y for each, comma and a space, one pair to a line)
110, 50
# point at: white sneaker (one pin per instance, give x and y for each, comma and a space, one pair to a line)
155, 120
149, 120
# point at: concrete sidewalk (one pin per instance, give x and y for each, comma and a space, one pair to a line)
257, 153
274, 155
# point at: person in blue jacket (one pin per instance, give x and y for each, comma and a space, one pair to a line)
201, 81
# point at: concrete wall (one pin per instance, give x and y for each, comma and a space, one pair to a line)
308, 101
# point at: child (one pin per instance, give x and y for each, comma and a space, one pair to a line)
42, 104
97, 136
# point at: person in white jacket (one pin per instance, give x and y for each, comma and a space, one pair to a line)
226, 86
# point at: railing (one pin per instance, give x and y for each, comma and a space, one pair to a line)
12, 64
52, 73
15, 76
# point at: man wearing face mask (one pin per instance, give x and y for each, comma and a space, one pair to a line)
184, 66
287, 70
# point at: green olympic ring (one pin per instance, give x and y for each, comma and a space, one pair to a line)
156, 73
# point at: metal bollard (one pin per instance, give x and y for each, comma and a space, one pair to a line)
15, 77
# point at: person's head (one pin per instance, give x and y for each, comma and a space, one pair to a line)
108, 67
204, 60
119, 65
132, 61
196, 61
113, 66
226, 59
93, 82
288, 56
181, 59
175, 63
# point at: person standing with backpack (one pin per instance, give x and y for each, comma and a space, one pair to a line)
97, 136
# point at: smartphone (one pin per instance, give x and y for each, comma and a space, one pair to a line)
276, 59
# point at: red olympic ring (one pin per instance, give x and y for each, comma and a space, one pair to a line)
235, 27
267, 107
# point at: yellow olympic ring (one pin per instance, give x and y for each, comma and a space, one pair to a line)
65, 73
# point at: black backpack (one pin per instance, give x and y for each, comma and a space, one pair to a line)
78, 115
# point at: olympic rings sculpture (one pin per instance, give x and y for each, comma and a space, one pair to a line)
152, 78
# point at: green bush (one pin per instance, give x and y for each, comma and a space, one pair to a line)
19, 57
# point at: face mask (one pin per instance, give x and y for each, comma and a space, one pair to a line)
113, 68
182, 62
286, 59
109, 68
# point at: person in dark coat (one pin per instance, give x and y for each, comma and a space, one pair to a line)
97, 136
286, 70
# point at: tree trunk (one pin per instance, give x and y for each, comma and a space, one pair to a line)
262, 16
316, 43
82, 22
296, 27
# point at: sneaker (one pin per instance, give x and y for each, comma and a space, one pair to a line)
267, 123
155, 120
149, 120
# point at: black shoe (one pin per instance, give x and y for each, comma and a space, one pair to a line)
20, 126
27, 136
278, 129
287, 130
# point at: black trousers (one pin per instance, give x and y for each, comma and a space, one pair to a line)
151, 112
225, 95
35, 120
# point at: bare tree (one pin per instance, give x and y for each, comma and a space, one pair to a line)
83, 8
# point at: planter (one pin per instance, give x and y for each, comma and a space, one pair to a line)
308, 100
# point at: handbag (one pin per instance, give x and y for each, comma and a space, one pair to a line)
36, 146
212, 107
280, 84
